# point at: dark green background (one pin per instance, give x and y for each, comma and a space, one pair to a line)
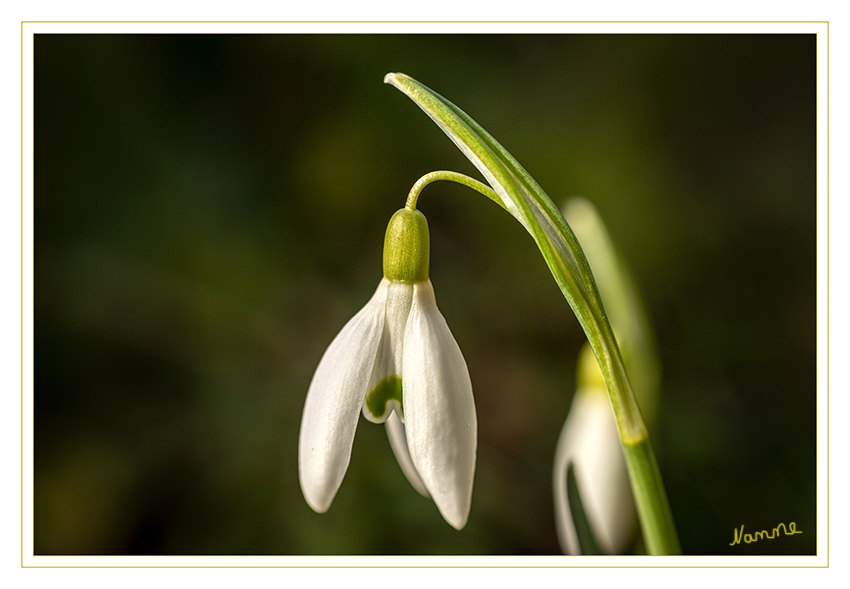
209, 212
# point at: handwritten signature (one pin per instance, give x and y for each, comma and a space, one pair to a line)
750, 538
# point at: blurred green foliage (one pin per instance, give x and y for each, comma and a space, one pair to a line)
210, 210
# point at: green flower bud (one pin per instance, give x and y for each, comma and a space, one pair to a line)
407, 247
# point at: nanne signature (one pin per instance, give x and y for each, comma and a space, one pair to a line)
750, 538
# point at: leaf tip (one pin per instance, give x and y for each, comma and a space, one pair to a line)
395, 78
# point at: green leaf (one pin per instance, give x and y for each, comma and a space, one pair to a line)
586, 540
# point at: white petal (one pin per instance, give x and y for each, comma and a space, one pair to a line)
590, 441
438, 407
398, 442
334, 400
388, 360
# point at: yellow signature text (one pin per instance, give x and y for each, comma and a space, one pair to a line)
750, 538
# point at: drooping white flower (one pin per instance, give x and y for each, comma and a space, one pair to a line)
396, 362
589, 444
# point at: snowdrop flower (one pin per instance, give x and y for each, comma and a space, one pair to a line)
396, 362
590, 445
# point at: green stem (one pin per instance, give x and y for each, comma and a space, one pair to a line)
656, 519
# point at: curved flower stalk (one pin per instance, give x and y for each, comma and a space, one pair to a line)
589, 443
396, 362
518, 193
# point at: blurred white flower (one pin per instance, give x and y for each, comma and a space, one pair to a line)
590, 445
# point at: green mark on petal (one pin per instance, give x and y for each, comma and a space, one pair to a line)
387, 390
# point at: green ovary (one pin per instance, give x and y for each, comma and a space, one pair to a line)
407, 247
387, 390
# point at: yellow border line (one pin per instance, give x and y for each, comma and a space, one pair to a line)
427, 22
23, 566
